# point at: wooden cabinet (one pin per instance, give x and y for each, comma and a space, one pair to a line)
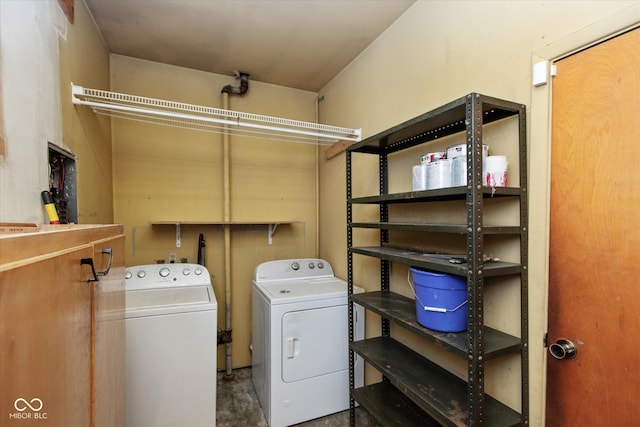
108, 357
416, 388
61, 335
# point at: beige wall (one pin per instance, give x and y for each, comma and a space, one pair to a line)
41, 53
170, 174
84, 61
436, 52
31, 103
28, 91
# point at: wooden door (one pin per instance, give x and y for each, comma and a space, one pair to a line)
45, 340
594, 266
108, 386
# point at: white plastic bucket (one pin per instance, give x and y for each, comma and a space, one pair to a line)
496, 171
432, 157
439, 174
461, 150
459, 171
419, 177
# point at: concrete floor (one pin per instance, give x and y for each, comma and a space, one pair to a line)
237, 406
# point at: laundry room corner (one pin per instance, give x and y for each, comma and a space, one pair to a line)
171, 180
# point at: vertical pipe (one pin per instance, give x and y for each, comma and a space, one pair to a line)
227, 241
318, 99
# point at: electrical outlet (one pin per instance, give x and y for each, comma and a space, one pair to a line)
172, 257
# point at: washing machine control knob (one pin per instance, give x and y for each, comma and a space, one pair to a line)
312, 265
128, 275
141, 273
186, 272
198, 271
320, 265
164, 272
295, 266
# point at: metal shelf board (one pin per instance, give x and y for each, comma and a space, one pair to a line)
389, 407
402, 310
436, 228
440, 194
446, 120
438, 392
421, 260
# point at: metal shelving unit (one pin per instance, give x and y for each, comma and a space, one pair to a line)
414, 389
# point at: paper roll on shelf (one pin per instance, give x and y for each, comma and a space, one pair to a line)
495, 171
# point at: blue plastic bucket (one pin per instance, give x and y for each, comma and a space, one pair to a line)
441, 300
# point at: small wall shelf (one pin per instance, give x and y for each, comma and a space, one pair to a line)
272, 226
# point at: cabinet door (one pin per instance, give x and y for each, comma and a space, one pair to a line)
45, 340
108, 388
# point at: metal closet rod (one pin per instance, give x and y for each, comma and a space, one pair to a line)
209, 119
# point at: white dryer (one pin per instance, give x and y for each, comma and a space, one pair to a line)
300, 358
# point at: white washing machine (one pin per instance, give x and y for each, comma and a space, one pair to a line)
171, 327
300, 358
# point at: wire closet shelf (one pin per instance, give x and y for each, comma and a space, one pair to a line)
209, 119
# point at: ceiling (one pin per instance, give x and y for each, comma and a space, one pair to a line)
301, 44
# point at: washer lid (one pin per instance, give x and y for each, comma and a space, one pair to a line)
158, 301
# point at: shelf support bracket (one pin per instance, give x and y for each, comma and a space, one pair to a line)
272, 230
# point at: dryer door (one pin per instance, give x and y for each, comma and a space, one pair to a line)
314, 342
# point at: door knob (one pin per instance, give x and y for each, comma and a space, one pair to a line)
563, 349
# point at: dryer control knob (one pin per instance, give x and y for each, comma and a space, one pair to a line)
128, 275
141, 273
320, 265
164, 272
295, 266
198, 271
312, 265
186, 272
